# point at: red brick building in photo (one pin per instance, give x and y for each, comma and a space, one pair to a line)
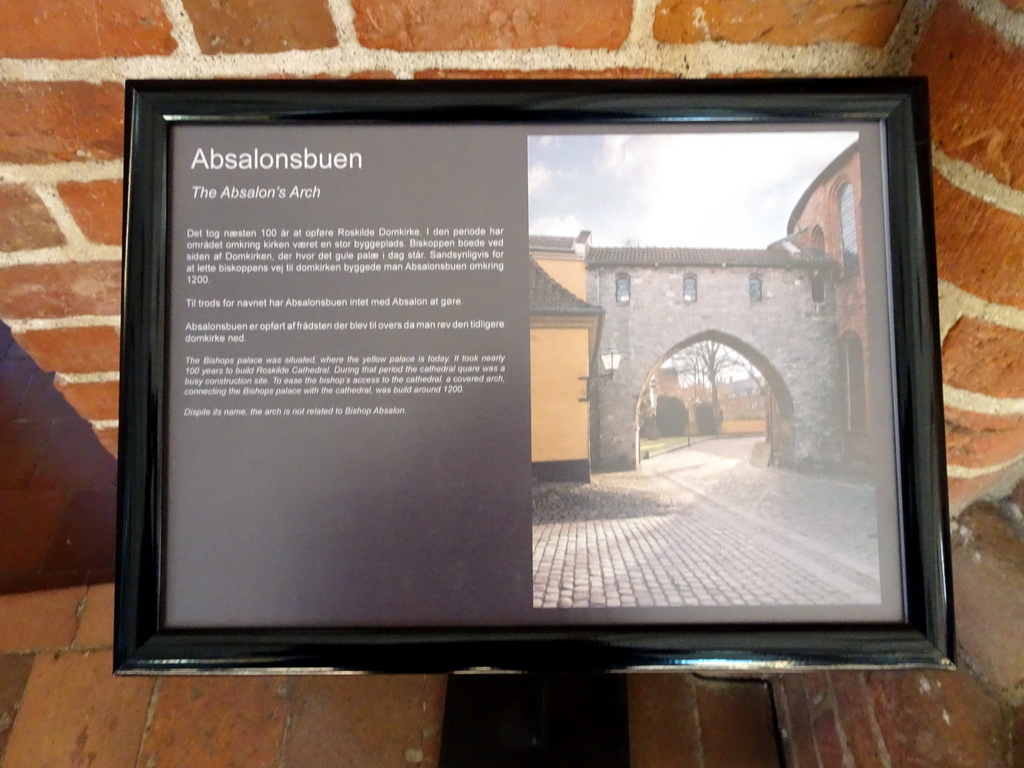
828, 222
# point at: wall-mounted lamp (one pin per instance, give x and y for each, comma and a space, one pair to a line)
610, 360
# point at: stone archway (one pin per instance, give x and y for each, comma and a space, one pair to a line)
788, 331
781, 415
801, 375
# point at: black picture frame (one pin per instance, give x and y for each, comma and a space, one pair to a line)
924, 637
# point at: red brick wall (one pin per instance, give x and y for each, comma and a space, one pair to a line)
822, 209
63, 64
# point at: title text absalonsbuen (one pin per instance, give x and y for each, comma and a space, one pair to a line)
256, 159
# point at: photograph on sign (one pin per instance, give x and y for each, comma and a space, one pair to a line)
726, 278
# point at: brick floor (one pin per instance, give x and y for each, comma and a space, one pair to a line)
95, 618
57, 484
332, 724
216, 722
74, 712
14, 672
61, 706
39, 621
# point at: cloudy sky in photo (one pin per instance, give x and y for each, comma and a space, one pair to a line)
716, 190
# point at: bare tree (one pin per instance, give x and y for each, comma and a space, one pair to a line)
752, 372
704, 364
647, 407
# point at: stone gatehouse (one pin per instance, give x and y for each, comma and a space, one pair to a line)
797, 309
775, 307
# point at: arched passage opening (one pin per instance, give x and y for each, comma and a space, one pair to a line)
715, 383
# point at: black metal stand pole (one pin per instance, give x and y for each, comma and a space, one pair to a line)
535, 720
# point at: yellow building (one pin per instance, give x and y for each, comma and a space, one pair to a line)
564, 260
564, 335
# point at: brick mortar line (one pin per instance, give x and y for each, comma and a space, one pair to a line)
639, 49
97, 377
343, 16
955, 302
181, 27
692, 60
875, 728
154, 698
63, 254
906, 35
844, 741
641, 26
1008, 24
62, 215
698, 728
976, 182
949, 312
969, 666
54, 173
814, 733
286, 729
998, 487
790, 759
966, 400
777, 727
60, 323
1015, 698
79, 612
970, 473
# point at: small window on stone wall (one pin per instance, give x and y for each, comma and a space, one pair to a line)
622, 289
848, 230
818, 240
818, 289
754, 288
690, 288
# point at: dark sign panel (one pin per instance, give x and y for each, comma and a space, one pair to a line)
545, 376
349, 375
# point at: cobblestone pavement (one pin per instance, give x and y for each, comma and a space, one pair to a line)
703, 526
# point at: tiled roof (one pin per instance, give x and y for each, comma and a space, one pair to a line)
551, 243
699, 257
549, 298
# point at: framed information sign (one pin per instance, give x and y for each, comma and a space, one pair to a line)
529, 376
